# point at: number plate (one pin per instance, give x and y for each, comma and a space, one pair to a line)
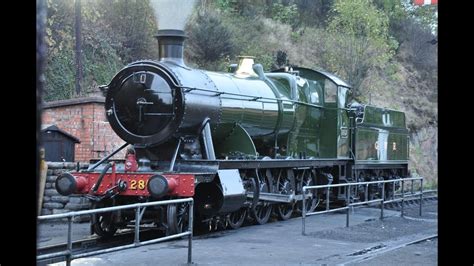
136, 184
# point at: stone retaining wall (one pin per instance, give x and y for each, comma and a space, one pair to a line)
53, 202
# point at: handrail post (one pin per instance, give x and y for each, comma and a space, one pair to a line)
383, 199
393, 190
190, 229
304, 211
327, 199
421, 196
348, 204
68, 253
403, 196
69, 240
137, 226
366, 192
412, 186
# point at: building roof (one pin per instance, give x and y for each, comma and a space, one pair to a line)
75, 101
45, 128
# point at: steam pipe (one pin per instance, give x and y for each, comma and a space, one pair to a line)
107, 157
207, 139
102, 174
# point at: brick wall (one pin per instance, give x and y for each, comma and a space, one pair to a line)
85, 119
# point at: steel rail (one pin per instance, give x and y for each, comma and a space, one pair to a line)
385, 250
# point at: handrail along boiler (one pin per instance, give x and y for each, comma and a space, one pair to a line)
242, 144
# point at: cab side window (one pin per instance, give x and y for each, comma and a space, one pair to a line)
330, 91
314, 92
344, 96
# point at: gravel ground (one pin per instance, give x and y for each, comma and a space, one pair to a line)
51, 233
374, 230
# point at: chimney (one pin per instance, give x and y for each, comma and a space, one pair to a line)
171, 17
170, 45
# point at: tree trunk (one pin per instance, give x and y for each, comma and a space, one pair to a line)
40, 65
78, 33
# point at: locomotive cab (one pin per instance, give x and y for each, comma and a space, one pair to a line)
328, 122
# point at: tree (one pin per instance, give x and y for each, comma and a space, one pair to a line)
209, 41
132, 25
314, 12
419, 46
78, 47
286, 14
40, 60
59, 68
114, 33
360, 40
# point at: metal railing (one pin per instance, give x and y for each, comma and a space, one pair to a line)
404, 195
70, 256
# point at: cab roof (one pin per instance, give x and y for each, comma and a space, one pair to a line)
333, 78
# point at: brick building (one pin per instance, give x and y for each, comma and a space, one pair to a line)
85, 119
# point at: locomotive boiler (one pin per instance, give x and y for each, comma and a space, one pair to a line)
241, 143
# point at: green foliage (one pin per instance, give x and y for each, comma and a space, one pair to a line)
314, 12
131, 25
360, 38
59, 26
295, 36
260, 37
247, 8
209, 41
59, 70
393, 9
285, 14
261, 56
359, 18
59, 76
114, 32
226, 5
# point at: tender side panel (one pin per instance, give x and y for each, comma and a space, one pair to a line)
374, 144
380, 117
381, 136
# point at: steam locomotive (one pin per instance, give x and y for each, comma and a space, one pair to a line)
242, 143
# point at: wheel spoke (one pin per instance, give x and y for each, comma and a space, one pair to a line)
237, 218
176, 218
102, 223
261, 211
285, 186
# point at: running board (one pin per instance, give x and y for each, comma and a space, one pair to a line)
273, 197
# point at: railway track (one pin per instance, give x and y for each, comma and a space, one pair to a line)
410, 203
373, 252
